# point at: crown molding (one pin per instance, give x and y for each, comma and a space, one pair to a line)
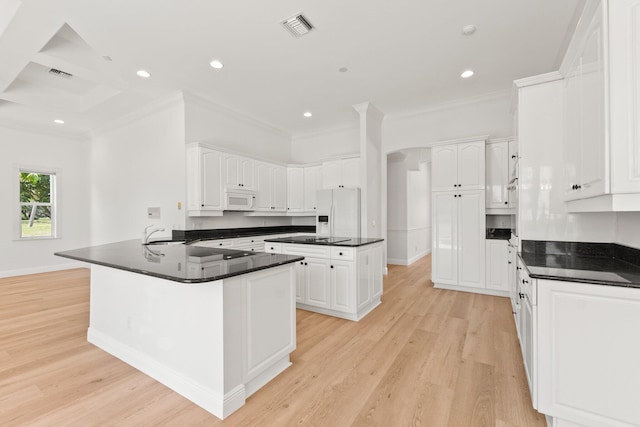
151, 108
221, 109
31, 127
457, 103
537, 80
459, 140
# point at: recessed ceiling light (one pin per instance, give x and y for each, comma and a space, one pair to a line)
466, 74
216, 64
307, 114
467, 30
143, 73
59, 121
343, 69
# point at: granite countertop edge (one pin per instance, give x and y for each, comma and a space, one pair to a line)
344, 244
629, 272
287, 260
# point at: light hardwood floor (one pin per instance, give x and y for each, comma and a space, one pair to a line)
425, 357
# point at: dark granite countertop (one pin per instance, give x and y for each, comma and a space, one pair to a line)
233, 233
498, 234
180, 263
598, 263
326, 241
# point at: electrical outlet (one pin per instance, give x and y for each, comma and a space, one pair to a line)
153, 213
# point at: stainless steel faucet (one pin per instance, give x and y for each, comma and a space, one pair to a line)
146, 234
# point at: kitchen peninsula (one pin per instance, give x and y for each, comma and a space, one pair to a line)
214, 325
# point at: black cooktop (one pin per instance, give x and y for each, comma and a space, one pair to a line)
317, 240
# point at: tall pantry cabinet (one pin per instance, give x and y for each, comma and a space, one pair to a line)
458, 206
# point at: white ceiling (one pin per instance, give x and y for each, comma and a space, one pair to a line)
403, 56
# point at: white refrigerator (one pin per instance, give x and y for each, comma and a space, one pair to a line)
338, 212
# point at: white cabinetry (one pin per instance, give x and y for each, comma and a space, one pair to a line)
588, 352
528, 330
295, 189
316, 282
312, 183
602, 109
497, 271
238, 172
458, 215
204, 181
271, 187
501, 157
339, 281
458, 239
343, 173
458, 166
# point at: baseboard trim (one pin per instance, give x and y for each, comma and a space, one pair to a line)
42, 269
349, 316
398, 261
219, 405
483, 291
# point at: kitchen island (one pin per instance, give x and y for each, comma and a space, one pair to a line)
214, 325
340, 276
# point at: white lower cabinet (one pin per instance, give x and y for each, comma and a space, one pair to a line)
588, 353
341, 276
316, 281
458, 257
497, 257
339, 281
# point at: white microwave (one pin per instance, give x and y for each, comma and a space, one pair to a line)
239, 201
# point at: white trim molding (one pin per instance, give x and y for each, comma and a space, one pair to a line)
42, 269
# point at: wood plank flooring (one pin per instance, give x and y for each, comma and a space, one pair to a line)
425, 357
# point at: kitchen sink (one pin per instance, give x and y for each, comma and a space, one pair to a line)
165, 242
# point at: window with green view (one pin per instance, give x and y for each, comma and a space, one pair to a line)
37, 204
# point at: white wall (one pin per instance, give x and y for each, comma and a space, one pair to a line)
542, 210
70, 156
490, 115
628, 229
327, 145
207, 122
137, 166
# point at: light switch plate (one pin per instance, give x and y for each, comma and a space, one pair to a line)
153, 213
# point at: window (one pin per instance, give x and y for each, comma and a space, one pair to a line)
37, 204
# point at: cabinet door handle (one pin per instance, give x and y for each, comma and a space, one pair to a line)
332, 266
506, 203
340, 254
521, 295
509, 262
271, 247
306, 263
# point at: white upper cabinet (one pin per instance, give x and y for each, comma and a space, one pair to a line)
238, 172
295, 189
271, 187
458, 166
312, 183
204, 181
602, 109
497, 174
343, 173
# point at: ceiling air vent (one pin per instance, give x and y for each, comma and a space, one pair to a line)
297, 25
60, 73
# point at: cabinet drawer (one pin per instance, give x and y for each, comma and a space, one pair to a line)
306, 250
223, 243
273, 248
342, 253
248, 241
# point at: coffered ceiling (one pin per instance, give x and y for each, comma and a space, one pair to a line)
76, 60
